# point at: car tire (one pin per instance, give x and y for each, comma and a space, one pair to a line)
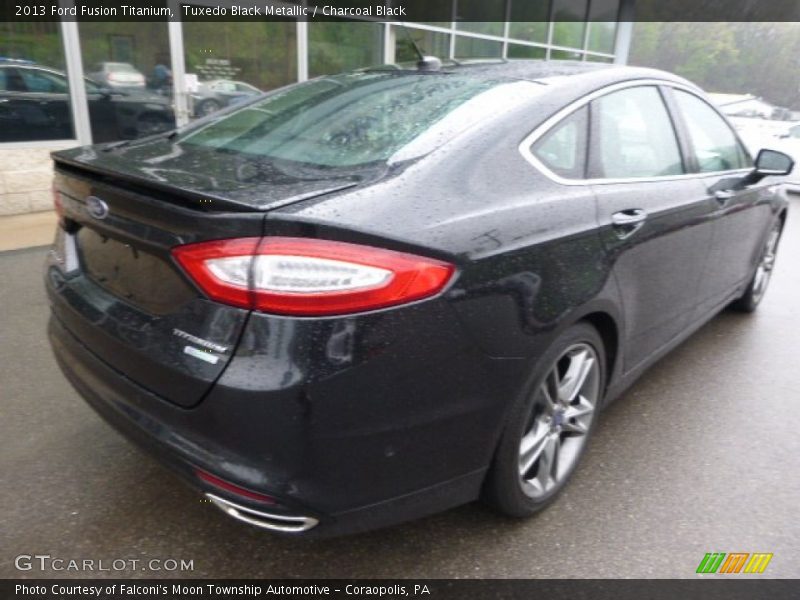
551, 418
207, 107
749, 301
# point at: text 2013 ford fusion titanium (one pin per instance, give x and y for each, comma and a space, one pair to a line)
373, 296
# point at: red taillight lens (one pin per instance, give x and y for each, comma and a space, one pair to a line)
233, 489
298, 276
58, 203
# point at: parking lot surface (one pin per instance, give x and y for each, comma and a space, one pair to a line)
701, 455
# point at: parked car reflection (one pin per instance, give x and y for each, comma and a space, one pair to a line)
117, 74
35, 105
218, 93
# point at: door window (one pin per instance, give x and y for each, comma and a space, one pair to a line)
10, 81
43, 82
715, 144
563, 148
636, 137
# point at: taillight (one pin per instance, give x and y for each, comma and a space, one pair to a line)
298, 276
58, 203
233, 489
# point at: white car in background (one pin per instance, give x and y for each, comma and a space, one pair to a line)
218, 93
776, 135
117, 75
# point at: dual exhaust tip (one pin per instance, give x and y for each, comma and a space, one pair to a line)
263, 519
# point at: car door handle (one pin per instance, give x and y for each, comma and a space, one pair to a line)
724, 195
629, 218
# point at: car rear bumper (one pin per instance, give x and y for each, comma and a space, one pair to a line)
324, 450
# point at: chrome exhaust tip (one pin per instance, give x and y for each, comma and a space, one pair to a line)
262, 519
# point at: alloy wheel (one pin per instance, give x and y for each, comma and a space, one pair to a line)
765, 266
559, 422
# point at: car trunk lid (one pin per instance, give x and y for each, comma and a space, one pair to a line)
120, 292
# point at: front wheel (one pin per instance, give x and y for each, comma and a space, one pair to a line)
758, 285
207, 107
548, 427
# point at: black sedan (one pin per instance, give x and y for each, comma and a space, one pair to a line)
377, 295
34, 105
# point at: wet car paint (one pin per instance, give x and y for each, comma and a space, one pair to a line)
370, 419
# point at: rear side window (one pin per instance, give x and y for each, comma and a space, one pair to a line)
563, 148
714, 142
43, 82
635, 136
10, 80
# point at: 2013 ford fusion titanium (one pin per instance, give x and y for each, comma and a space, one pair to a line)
373, 296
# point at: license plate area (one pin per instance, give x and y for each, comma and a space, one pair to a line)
136, 276
65, 251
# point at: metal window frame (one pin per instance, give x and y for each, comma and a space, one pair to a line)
77, 90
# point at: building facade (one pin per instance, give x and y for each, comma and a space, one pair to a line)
71, 83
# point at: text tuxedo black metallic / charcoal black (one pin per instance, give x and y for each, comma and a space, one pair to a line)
373, 296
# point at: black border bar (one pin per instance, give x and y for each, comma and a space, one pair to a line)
391, 10
707, 588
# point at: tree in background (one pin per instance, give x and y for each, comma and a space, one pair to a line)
740, 58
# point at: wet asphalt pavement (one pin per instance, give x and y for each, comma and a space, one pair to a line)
701, 455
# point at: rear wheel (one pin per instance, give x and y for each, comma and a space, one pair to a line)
758, 285
549, 427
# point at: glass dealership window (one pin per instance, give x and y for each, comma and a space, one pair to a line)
520, 51
228, 62
467, 47
529, 20
485, 16
34, 95
600, 59
565, 55
440, 11
432, 43
569, 24
484, 27
129, 89
602, 26
339, 46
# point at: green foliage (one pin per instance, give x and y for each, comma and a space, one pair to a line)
260, 53
756, 58
337, 46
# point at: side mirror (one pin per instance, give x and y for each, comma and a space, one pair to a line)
770, 162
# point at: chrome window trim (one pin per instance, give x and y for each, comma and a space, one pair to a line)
551, 122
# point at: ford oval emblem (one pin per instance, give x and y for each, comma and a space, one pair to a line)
96, 207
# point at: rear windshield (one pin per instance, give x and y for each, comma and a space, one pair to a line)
359, 118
